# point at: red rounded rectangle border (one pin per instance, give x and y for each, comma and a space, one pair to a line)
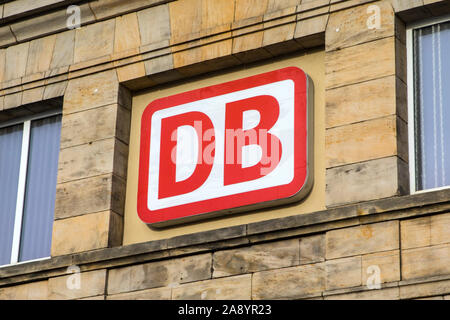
298, 188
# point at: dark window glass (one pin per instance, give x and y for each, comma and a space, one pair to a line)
432, 106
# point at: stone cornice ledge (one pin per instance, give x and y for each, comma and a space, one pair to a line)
275, 229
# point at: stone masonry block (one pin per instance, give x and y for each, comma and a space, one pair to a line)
256, 258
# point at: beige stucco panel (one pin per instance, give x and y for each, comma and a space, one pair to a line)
313, 64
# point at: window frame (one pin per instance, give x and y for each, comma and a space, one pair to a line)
20, 200
411, 105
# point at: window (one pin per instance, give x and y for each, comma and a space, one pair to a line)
29, 150
429, 105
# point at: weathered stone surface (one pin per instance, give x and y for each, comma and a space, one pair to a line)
426, 262
311, 4
374, 179
2, 64
159, 64
12, 100
246, 9
95, 124
277, 39
230, 288
415, 232
64, 47
154, 24
217, 15
6, 36
256, 258
425, 289
40, 54
90, 92
108, 8
363, 141
96, 158
21, 6
388, 262
182, 11
440, 229
426, 231
30, 291
159, 274
32, 95
150, 294
357, 25
100, 193
16, 61
275, 5
131, 72
289, 283
92, 232
91, 284
94, 41
311, 32
360, 63
312, 249
127, 36
48, 23
100, 297
362, 239
343, 273
383, 294
363, 101
55, 90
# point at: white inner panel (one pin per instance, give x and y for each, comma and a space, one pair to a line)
214, 108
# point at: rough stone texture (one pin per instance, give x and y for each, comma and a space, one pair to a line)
312, 249
350, 27
40, 54
93, 231
383, 294
95, 124
154, 24
46, 23
289, 283
343, 273
16, 61
64, 47
362, 141
159, 274
362, 239
99, 193
363, 101
426, 262
424, 289
416, 232
230, 288
91, 284
30, 291
88, 160
256, 258
388, 262
150, 294
360, 63
90, 92
426, 231
94, 41
374, 179
127, 37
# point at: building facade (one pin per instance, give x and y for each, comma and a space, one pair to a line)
77, 76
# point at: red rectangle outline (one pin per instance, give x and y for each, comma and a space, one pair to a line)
239, 201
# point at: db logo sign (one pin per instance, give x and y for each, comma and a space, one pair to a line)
227, 148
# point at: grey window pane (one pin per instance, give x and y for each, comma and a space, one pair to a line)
432, 106
10, 150
39, 205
